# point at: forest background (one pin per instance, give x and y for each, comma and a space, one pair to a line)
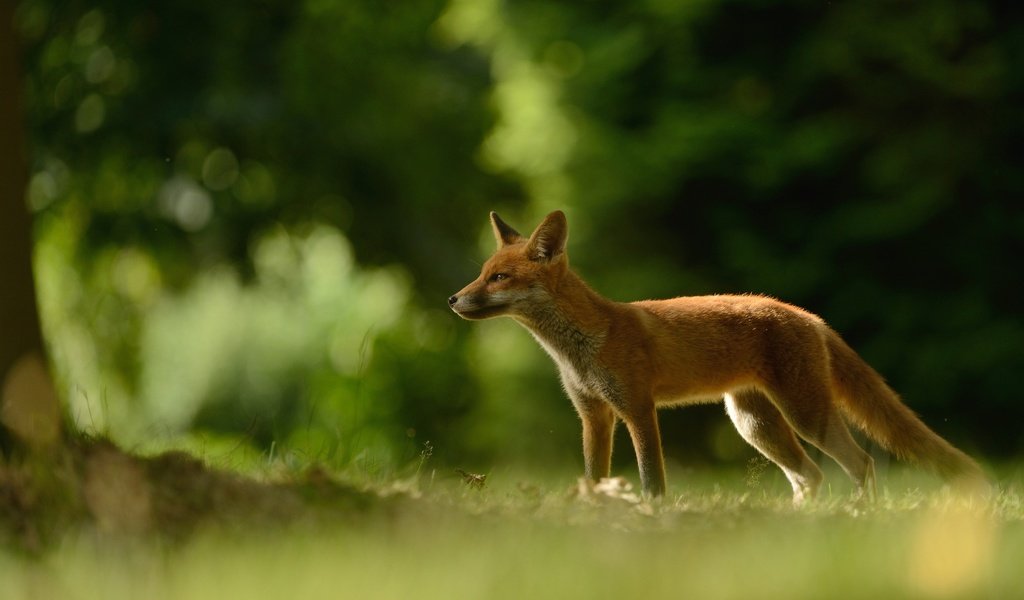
248, 215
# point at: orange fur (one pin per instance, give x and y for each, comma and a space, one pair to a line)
782, 371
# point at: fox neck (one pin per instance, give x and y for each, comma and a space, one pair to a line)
572, 324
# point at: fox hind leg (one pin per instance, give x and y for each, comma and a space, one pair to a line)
809, 409
761, 424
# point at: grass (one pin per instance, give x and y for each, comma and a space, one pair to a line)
720, 537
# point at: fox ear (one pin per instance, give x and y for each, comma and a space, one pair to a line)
503, 232
548, 240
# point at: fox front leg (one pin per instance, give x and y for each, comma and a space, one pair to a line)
598, 427
643, 429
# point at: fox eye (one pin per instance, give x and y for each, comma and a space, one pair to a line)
498, 277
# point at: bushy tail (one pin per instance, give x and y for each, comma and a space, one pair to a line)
872, 406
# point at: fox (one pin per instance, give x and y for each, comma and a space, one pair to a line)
784, 375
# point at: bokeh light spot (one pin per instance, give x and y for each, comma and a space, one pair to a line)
42, 189
564, 59
220, 169
185, 202
90, 28
135, 275
100, 66
90, 114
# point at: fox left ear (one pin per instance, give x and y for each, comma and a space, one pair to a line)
548, 240
503, 232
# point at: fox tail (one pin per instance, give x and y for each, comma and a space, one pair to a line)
872, 406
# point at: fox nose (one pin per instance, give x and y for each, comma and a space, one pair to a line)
453, 300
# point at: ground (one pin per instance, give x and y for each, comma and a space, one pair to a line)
96, 522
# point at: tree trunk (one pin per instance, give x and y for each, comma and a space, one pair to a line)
29, 410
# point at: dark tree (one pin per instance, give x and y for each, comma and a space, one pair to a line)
29, 408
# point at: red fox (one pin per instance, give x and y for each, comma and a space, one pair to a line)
781, 370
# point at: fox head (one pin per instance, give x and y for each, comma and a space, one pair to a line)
521, 276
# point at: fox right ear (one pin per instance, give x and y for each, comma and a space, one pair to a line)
548, 240
503, 232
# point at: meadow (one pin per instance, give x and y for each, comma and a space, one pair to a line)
439, 534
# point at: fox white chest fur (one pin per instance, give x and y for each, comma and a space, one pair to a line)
575, 353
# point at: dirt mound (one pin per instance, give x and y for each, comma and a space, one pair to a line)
93, 485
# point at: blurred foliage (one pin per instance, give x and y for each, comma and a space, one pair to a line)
202, 175
248, 214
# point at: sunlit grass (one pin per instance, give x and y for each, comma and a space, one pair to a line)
717, 537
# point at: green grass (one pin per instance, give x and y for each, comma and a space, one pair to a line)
719, 537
